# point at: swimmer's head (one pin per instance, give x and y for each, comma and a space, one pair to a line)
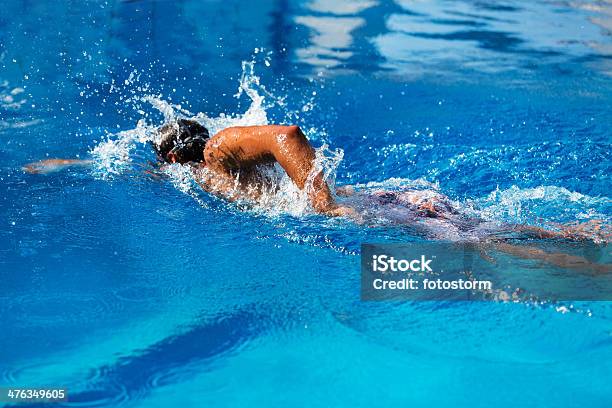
181, 141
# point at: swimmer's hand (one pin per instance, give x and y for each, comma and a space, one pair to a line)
593, 230
52, 165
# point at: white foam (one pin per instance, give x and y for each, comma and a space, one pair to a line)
282, 195
398, 183
524, 205
114, 155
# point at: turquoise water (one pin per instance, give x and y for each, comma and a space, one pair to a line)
137, 291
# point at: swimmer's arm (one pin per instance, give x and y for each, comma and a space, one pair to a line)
52, 165
238, 147
593, 230
55, 165
559, 259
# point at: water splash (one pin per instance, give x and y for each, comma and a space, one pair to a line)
552, 203
182, 179
398, 184
11, 97
282, 196
12, 100
115, 154
169, 110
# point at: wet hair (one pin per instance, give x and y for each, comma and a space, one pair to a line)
184, 140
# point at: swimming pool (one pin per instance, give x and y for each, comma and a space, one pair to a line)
130, 290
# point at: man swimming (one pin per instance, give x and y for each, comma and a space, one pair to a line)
229, 163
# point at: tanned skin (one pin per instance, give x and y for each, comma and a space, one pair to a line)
51, 165
238, 150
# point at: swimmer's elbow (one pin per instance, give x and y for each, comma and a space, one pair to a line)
291, 135
291, 144
295, 132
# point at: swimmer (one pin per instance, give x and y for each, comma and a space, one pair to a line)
228, 165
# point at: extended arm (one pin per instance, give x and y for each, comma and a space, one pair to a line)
243, 147
593, 230
52, 165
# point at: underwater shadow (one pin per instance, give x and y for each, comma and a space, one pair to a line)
133, 377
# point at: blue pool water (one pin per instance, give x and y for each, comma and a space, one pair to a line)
134, 291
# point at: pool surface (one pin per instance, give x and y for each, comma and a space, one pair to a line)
134, 290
